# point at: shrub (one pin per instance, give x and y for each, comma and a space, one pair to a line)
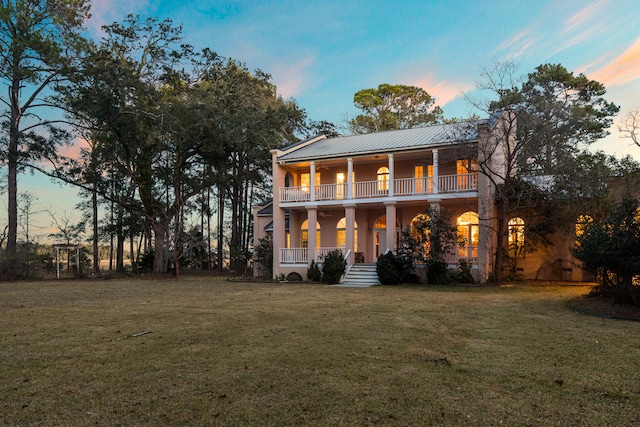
313, 273
463, 273
611, 251
438, 272
333, 267
389, 270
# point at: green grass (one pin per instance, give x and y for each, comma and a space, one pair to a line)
221, 353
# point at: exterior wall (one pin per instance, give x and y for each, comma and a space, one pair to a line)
259, 224
553, 262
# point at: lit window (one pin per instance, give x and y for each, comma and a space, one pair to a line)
305, 181
341, 234
516, 235
383, 179
421, 233
418, 174
304, 234
464, 168
470, 234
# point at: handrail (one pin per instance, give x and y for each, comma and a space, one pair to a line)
347, 258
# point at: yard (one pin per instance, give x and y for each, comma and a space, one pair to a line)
204, 351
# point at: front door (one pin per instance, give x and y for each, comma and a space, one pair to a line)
379, 242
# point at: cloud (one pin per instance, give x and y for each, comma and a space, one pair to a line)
443, 91
622, 69
292, 79
585, 16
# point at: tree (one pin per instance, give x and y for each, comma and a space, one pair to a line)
40, 40
610, 249
392, 107
435, 237
539, 126
166, 135
630, 126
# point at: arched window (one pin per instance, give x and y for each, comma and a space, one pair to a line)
383, 179
470, 234
341, 234
304, 234
516, 235
421, 233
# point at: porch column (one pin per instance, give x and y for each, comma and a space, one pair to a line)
312, 216
312, 179
391, 184
391, 225
349, 178
435, 172
279, 239
350, 216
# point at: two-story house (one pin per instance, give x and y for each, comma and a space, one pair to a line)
356, 193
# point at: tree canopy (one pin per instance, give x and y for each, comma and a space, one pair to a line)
167, 123
390, 107
551, 116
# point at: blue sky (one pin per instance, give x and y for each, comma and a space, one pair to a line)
322, 52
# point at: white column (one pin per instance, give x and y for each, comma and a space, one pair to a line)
350, 216
391, 174
312, 216
391, 225
435, 171
312, 179
349, 178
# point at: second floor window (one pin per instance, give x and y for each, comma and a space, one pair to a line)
305, 181
383, 179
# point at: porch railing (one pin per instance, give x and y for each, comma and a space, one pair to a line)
301, 255
371, 189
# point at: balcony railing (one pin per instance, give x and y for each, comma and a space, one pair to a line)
372, 189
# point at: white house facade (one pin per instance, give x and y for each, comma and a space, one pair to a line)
356, 193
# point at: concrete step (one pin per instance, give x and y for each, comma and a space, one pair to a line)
361, 275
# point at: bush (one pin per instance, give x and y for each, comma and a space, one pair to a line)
438, 272
463, 274
313, 273
389, 270
333, 267
610, 250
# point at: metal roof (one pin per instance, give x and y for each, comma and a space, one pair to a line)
385, 142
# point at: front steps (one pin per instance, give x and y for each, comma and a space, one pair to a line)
361, 275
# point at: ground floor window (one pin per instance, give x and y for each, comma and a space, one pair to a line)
304, 234
341, 234
470, 235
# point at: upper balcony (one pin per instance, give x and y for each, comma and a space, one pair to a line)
363, 190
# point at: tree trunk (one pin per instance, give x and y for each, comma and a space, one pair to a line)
221, 193
120, 240
12, 169
94, 206
159, 231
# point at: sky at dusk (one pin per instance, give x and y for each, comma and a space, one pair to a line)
320, 53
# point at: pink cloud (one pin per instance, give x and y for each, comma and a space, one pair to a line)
442, 91
622, 69
291, 79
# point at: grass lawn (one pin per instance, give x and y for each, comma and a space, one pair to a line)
222, 353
